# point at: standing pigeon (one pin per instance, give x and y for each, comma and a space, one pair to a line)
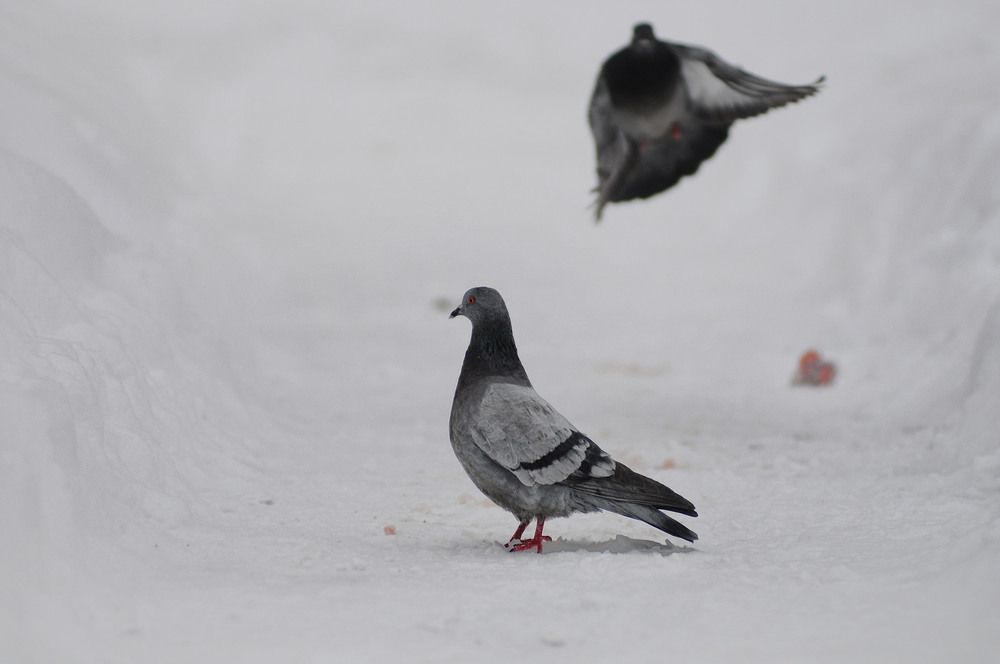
524, 455
659, 109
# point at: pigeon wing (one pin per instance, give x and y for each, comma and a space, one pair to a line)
519, 430
721, 92
615, 153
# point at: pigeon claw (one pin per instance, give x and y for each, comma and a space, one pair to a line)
517, 544
528, 545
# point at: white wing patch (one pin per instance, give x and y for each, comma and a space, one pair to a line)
706, 90
721, 92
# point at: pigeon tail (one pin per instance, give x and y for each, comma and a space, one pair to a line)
636, 496
628, 486
653, 517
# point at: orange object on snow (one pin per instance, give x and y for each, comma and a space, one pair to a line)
814, 370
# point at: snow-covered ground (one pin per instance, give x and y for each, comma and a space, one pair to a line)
230, 234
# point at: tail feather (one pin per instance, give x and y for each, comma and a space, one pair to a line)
638, 497
653, 517
628, 486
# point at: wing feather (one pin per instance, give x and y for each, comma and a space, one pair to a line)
523, 433
721, 92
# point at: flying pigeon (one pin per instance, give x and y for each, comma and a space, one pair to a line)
659, 109
524, 455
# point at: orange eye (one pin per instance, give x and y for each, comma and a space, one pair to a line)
471, 300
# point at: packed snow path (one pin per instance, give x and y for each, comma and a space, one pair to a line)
229, 241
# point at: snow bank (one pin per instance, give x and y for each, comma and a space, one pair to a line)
115, 387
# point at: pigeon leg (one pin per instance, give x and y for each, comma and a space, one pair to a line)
516, 537
536, 541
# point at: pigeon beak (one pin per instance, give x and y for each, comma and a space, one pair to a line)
456, 312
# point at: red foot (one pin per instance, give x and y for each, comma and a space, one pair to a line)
527, 545
533, 543
675, 132
516, 537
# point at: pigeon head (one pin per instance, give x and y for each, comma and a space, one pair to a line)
482, 304
492, 351
643, 32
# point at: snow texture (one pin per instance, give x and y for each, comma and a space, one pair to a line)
230, 235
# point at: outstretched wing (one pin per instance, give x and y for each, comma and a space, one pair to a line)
519, 430
721, 92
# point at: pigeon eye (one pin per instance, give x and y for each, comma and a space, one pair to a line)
472, 300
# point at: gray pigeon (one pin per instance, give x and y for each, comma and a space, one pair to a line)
659, 109
524, 455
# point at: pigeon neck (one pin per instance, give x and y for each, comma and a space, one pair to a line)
492, 352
